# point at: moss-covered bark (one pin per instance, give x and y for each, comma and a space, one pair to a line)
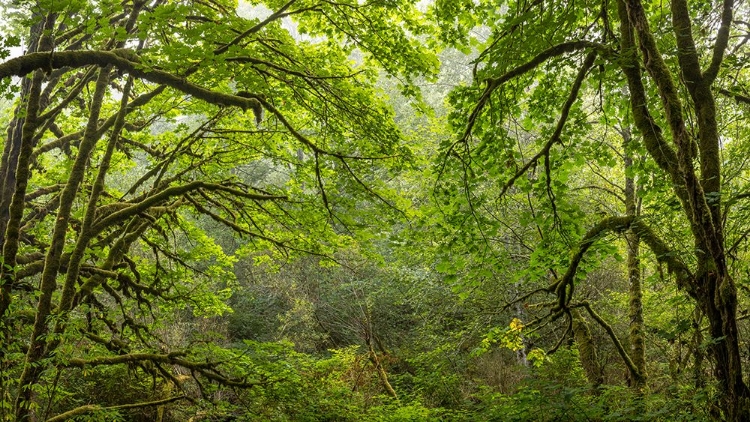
15, 164
587, 350
126, 61
699, 192
52, 261
635, 290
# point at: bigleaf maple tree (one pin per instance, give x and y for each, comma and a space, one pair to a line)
560, 73
134, 124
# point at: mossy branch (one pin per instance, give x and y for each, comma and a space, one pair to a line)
126, 61
653, 139
90, 408
173, 191
564, 287
660, 74
615, 340
722, 40
128, 358
687, 53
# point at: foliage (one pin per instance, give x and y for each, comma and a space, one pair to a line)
381, 210
142, 135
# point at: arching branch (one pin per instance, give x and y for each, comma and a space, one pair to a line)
175, 191
90, 408
555, 138
494, 83
127, 61
564, 286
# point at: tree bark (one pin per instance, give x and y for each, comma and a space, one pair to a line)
15, 162
710, 285
587, 351
635, 290
37, 349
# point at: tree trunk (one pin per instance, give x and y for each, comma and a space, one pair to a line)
699, 355
698, 190
10, 186
717, 298
635, 292
587, 351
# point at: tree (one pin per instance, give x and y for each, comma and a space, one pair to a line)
561, 69
135, 123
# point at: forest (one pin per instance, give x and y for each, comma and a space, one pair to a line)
374, 210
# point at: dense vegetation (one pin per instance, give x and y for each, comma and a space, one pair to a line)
383, 210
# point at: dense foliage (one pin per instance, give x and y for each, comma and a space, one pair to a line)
382, 210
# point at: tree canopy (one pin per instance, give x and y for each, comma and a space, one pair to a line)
374, 210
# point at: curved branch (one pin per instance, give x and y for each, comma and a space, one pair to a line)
173, 191
88, 408
615, 340
127, 61
611, 224
555, 138
494, 83
720, 46
564, 287
663, 253
274, 16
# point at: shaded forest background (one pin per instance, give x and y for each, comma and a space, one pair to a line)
386, 210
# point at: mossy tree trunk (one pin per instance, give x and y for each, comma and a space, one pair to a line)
587, 351
635, 289
671, 89
699, 190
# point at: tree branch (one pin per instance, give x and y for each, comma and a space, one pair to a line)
276, 15
744, 99
173, 191
657, 68
722, 40
494, 83
127, 61
555, 138
615, 340
564, 287
89, 408
687, 54
663, 154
